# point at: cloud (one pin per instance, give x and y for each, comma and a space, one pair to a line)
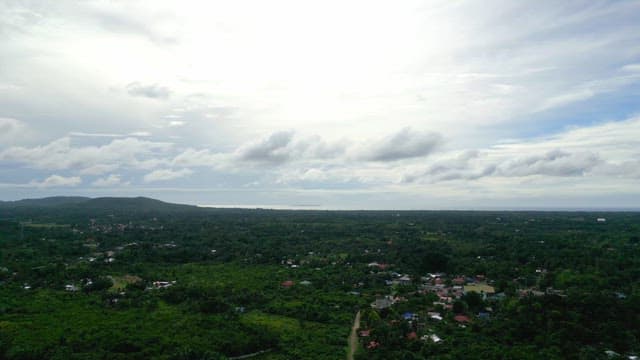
152, 91
166, 174
57, 181
566, 99
631, 68
552, 163
61, 155
109, 135
404, 144
176, 123
555, 163
272, 149
10, 129
110, 180
99, 169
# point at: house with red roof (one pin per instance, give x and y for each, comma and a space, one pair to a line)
462, 319
287, 284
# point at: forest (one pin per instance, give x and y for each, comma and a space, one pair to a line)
136, 278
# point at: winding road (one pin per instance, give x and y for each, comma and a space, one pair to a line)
353, 337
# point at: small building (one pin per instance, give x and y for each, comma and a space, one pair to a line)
163, 284
287, 284
410, 316
601, 220
373, 345
70, 287
382, 303
462, 319
433, 337
405, 280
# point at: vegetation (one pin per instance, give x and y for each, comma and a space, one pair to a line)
137, 279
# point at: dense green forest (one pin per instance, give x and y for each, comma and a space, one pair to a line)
137, 279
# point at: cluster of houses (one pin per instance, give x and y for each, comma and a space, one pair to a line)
107, 228
447, 289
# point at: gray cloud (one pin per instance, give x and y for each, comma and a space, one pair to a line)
153, 91
119, 22
272, 149
454, 168
10, 130
555, 163
402, 145
552, 163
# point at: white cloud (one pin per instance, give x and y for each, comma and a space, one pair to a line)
110, 180
61, 154
363, 105
593, 152
166, 174
57, 181
98, 169
176, 123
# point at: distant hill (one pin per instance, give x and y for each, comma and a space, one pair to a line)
136, 203
46, 202
77, 204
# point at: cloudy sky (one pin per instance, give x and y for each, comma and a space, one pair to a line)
358, 104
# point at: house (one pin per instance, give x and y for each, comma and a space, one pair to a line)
530, 292
364, 333
70, 287
382, 303
462, 319
458, 281
382, 266
373, 345
611, 353
405, 280
287, 284
305, 282
410, 316
433, 337
163, 284
497, 297
601, 220
412, 335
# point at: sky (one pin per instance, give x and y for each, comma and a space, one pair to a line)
323, 105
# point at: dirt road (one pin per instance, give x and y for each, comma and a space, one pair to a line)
353, 337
